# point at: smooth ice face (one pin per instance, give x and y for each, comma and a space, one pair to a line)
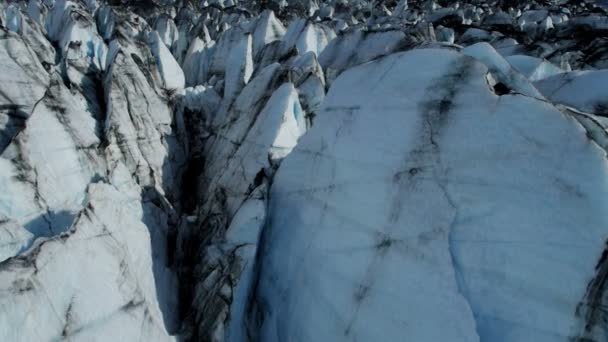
428, 201
172, 74
239, 67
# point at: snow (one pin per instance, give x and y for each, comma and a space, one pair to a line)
229, 41
247, 223
20, 66
138, 124
396, 214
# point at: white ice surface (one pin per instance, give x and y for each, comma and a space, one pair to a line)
501, 70
535, 69
239, 67
93, 284
426, 206
583, 90
172, 74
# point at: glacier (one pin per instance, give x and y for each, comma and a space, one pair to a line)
303, 170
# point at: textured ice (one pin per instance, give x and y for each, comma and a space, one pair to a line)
359, 47
306, 36
94, 283
44, 183
268, 30
197, 61
73, 28
404, 195
501, 70
13, 18
239, 67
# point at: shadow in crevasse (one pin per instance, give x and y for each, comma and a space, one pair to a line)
159, 218
162, 216
47, 225
51, 223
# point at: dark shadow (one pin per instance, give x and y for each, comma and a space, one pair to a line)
50, 224
12, 121
47, 225
158, 219
91, 87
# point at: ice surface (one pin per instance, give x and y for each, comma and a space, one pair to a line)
303, 170
501, 69
432, 193
172, 74
535, 69
584, 90
239, 67
94, 283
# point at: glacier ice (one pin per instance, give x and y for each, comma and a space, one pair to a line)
434, 196
303, 170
